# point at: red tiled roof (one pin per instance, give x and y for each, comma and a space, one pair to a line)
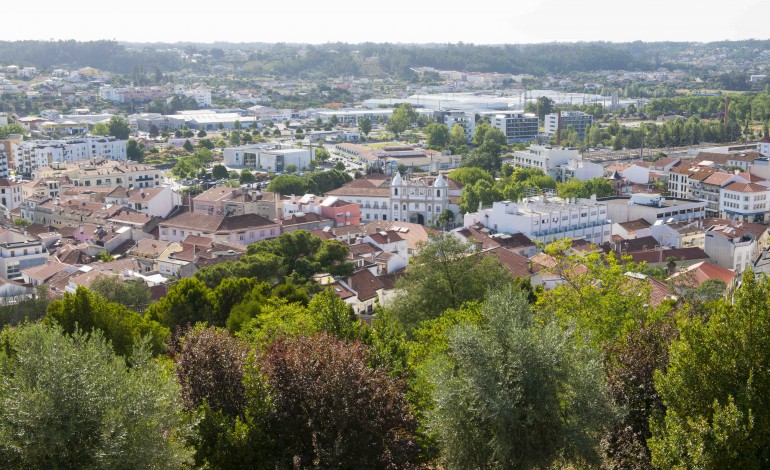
699, 273
365, 284
745, 187
516, 264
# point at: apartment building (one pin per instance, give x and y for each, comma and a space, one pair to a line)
653, 207
578, 120
19, 251
517, 127
464, 119
745, 202
547, 219
34, 154
100, 172
235, 201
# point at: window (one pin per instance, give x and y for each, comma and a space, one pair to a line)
395, 191
404, 206
438, 193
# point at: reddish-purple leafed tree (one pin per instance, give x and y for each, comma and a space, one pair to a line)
334, 411
210, 365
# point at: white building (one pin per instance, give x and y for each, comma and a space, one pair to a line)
746, 202
653, 207
103, 173
202, 96
639, 174
561, 163
159, 201
19, 251
419, 201
10, 195
578, 169
33, 154
730, 247
464, 119
267, 157
548, 219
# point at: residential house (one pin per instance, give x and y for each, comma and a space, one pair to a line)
734, 245
19, 251
239, 229
695, 275
229, 201
158, 201
304, 221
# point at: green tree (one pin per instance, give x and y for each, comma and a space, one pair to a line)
321, 154
288, 184
119, 128
188, 146
134, 151
468, 176
339, 166
437, 135
68, 401
457, 136
154, 132
334, 120
401, 119
716, 387
12, 128
134, 295
445, 274
87, 312
543, 106
365, 126
202, 133
482, 192
219, 172
100, 128
291, 168
596, 295
515, 393
188, 301
246, 176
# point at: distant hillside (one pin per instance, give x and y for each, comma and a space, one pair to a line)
105, 55
336, 59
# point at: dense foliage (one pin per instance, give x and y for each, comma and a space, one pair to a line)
465, 367
68, 401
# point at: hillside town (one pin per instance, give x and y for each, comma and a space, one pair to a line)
444, 256
76, 208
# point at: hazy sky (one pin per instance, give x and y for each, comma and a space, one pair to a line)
419, 21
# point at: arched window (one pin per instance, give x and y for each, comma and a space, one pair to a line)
395, 191
438, 193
